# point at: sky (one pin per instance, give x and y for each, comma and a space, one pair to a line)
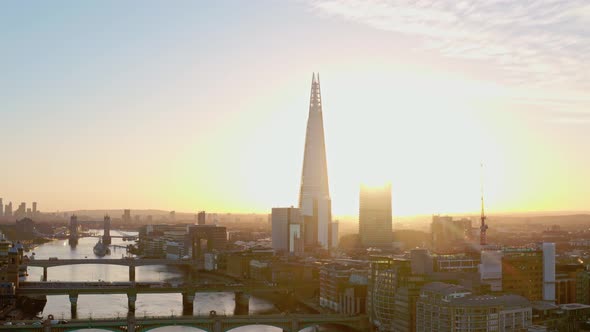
194, 105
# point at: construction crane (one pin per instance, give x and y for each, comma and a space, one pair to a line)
484, 227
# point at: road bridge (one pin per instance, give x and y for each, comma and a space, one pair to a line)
130, 262
210, 323
132, 289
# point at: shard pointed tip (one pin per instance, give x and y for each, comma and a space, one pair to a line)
315, 77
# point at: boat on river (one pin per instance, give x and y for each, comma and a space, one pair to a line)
101, 249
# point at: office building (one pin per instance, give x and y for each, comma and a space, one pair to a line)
206, 238
334, 233
286, 229
8, 210
343, 286
450, 235
1, 208
314, 195
201, 218
491, 269
446, 307
386, 276
21, 212
25, 226
296, 243
548, 271
34, 208
522, 272
126, 217
375, 216
572, 283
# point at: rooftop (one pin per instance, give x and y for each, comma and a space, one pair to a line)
444, 288
492, 300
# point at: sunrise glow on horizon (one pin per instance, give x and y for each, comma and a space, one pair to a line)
141, 105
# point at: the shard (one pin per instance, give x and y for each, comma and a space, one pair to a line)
314, 196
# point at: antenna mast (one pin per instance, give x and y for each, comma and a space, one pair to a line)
483, 228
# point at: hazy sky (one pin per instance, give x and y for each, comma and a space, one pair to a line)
189, 105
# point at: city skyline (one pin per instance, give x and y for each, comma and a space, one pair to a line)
152, 112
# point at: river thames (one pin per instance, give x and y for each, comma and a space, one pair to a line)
112, 306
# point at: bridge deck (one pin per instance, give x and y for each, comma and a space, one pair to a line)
65, 288
108, 261
302, 320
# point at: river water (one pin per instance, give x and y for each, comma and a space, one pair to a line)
111, 306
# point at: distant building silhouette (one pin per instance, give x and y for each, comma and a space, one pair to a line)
375, 216
8, 210
450, 235
314, 195
21, 211
201, 218
126, 217
106, 237
1, 208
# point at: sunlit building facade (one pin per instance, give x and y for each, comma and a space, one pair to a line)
446, 307
375, 217
314, 194
286, 230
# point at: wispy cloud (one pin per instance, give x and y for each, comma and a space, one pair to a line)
542, 43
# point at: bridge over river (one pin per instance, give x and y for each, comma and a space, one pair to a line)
210, 323
131, 289
131, 262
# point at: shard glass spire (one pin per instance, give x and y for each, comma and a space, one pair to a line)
314, 195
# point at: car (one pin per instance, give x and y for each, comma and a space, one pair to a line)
7, 323
63, 321
20, 323
37, 323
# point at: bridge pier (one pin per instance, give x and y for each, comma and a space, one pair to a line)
132, 273
242, 303
74, 305
131, 324
131, 298
45, 273
188, 300
217, 325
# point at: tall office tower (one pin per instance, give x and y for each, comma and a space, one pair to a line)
286, 229
126, 216
375, 216
314, 196
21, 211
8, 210
201, 218
34, 208
1, 208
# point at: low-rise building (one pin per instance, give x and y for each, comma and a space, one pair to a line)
446, 307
